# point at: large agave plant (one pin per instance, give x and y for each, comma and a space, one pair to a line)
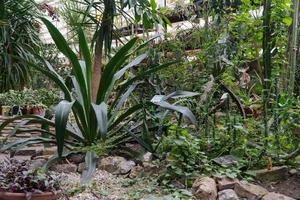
96, 122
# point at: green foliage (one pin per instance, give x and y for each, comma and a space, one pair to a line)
95, 121
16, 177
30, 97
18, 38
184, 157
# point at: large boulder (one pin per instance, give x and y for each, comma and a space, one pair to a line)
205, 188
228, 194
250, 191
116, 165
276, 196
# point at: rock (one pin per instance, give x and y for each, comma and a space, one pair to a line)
150, 168
50, 151
36, 164
275, 174
76, 158
228, 194
64, 168
110, 164
30, 151
81, 167
136, 172
293, 172
116, 165
22, 158
125, 167
147, 157
226, 183
276, 196
250, 191
205, 188
227, 160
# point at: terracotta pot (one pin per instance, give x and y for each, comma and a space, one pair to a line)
38, 110
22, 196
5, 110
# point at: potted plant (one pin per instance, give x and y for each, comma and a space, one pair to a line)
29, 99
4, 104
17, 182
16, 100
38, 109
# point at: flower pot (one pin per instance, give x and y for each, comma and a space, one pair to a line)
16, 110
22, 196
26, 110
38, 110
5, 110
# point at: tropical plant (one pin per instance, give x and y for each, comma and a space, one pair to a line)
100, 125
101, 17
18, 37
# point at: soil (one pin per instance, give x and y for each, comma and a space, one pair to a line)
289, 187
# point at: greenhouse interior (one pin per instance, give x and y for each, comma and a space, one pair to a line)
149, 100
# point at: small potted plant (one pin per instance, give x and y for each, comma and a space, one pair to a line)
29, 100
16, 100
5, 104
17, 182
38, 109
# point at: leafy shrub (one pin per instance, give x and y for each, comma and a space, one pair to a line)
15, 176
184, 157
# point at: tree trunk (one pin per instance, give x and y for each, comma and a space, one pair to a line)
293, 48
97, 68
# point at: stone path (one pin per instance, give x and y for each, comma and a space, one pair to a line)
27, 152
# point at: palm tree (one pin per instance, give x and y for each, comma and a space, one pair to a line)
18, 38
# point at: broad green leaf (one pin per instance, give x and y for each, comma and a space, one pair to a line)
288, 20
63, 46
180, 94
62, 112
183, 110
85, 51
101, 115
90, 162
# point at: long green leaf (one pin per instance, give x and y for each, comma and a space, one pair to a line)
111, 68
63, 46
101, 115
90, 162
62, 112
85, 51
183, 110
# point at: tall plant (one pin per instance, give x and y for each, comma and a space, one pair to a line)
100, 16
98, 124
18, 36
293, 47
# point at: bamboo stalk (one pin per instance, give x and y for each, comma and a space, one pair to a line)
293, 48
266, 62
